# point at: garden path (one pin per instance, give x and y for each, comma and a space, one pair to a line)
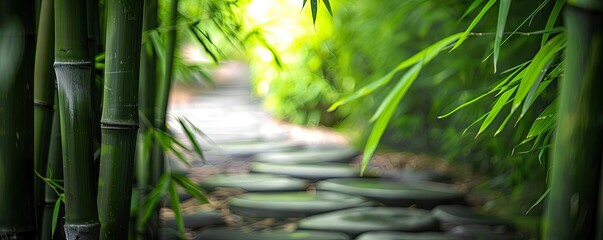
271, 180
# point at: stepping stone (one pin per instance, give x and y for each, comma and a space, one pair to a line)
455, 215
198, 220
236, 234
312, 155
166, 233
366, 219
251, 148
292, 204
254, 183
419, 175
387, 235
395, 193
478, 232
315, 171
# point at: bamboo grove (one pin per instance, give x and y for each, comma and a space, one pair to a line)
83, 100
70, 129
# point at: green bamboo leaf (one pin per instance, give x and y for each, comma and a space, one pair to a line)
167, 142
391, 103
154, 197
474, 122
199, 131
314, 6
175, 203
499, 86
304, 4
500, 103
545, 121
472, 7
194, 30
425, 55
534, 91
328, 6
473, 23
551, 21
503, 124
190, 187
55, 215
546, 193
192, 138
503, 11
533, 71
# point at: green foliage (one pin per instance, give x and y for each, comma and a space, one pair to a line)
364, 61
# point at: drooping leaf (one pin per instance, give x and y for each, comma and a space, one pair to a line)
190, 187
474, 123
474, 23
546, 193
540, 85
154, 196
328, 6
425, 55
503, 11
472, 7
314, 6
545, 121
499, 86
55, 215
391, 103
389, 100
192, 138
533, 71
551, 21
498, 105
175, 203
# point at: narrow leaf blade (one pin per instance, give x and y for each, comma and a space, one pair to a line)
503, 11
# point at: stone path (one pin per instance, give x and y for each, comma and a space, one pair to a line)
268, 181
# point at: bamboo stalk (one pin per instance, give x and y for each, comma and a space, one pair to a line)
17, 36
73, 68
146, 105
576, 154
55, 171
44, 90
119, 121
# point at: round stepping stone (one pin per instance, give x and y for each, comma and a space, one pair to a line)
312, 155
168, 234
254, 183
478, 232
395, 193
387, 235
247, 149
419, 175
198, 220
292, 204
454, 215
310, 171
236, 234
366, 219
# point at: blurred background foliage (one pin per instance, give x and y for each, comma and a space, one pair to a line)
300, 69
364, 40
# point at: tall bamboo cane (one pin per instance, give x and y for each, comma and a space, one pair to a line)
146, 104
17, 43
119, 121
44, 91
577, 151
73, 68
54, 171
